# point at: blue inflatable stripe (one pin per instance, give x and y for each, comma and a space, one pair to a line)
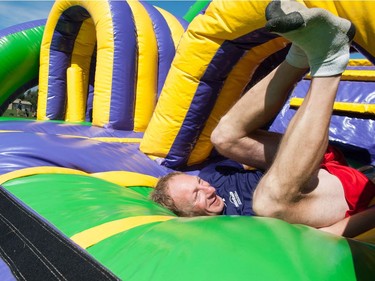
124, 68
165, 43
183, 22
226, 57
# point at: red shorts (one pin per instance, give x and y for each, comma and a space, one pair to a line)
358, 189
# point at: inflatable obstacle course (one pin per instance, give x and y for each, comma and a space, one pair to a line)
122, 84
234, 56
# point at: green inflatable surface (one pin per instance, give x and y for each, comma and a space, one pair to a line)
204, 248
19, 56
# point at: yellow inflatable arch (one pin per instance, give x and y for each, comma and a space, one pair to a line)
119, 50
222, 51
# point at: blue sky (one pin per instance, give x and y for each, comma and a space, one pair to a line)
15, 12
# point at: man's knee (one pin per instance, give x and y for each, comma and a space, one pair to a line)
221, 137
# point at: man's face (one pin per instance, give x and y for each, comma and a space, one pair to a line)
192, 194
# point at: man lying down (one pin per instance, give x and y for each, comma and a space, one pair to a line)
299, 177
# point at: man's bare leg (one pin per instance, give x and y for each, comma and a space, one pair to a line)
286, 191
300, 153
238, 136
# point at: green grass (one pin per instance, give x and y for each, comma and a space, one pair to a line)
13, 113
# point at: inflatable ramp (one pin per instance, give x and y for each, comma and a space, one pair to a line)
128, 93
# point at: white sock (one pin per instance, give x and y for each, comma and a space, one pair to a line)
323, 37
297, 57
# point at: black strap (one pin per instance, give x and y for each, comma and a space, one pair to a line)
35, 250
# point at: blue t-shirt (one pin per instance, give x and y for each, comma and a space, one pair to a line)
234, 184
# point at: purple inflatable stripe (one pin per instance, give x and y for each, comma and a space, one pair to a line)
348, 91
54, 128
5, 272
204, 99
183, 22
124, 74
33, 150
90, 103
363, 52
56, 97
21, 27
361, 67
165, 43
90, 96
207, 92
66, 31
352, 132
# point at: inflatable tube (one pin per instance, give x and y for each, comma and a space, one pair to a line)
195, 9
352, 125
202, 86
91, 155
133, 45
138, 240
19, 55
89, 185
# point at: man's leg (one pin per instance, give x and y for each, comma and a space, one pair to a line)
237, 135
286, 191
301, 150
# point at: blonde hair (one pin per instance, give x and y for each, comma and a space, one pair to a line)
161, 195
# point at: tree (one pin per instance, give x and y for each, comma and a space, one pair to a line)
32, 96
